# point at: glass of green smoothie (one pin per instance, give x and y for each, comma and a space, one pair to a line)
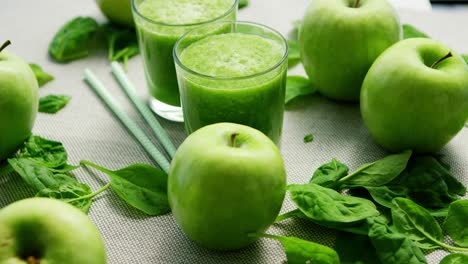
159, 24
233, 72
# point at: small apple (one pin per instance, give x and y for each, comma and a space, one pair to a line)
226, 181
415, 96
117, 11
18, 102
44, 230
340, 39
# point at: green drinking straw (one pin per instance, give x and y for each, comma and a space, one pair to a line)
144, 110
101, 90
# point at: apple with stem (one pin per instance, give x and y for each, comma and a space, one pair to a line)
226, 181
415, 96
44, 230
117, 11
340, 39
18, 101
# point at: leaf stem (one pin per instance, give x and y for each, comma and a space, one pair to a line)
434, 65
93, 165
442, 244
4, 45
286, 215
91, 195
258, 235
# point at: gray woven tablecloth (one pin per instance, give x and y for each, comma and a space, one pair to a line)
89, 131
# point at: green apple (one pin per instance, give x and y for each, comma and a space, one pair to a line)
226, 181
18, 102
340, 39
415, 96
44, 230
117, 11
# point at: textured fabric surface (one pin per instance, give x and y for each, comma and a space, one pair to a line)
89, 131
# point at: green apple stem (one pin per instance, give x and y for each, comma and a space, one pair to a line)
434, 65
4, 45
356, 4
233, 139
32, 260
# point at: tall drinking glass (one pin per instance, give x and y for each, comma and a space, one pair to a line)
159, 23
233, 72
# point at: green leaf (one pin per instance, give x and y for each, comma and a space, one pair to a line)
456, 222
68, 189
327, 174
377, 173
141, 186
122, 43
384, 195
243, 3
416, 223
41, 76
455, 258
51, 104
294, 55
47, 183
308, 138
46, 152
410, 31
429, 183
300, 251
326, 205
393, 247
72, 40
297, 86
355, 249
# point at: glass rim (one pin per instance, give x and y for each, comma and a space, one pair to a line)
229, 11
254, 24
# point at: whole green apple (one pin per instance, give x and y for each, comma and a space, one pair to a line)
44, 230
226, 181
18, 102
340, 39
117, 11
415, 96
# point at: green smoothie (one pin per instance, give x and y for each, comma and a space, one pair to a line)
160, 23
238, 78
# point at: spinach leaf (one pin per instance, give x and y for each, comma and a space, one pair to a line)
300, 251
393, 247
355, 249
42, 77
294, 55
384, 195
243, 3
51, 104
326, 205
416, 223
297, 86
122, 43
72, 40
429, 183
48, 153
308, 138
410, 31
455, 258
465, 57
456, 222
377, 173
69, 190
141, 186
48, 183
327, 174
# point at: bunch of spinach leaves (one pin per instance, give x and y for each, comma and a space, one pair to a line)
409, 188
43, 165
